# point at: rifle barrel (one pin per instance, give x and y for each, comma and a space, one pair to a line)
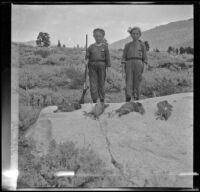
86, 42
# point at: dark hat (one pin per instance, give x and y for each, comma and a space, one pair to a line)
100, 30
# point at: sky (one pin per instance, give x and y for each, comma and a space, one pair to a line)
70, 23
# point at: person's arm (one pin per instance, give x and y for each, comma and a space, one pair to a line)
107, 54
144, 55
123, 61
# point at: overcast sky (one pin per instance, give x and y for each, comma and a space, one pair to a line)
70, 23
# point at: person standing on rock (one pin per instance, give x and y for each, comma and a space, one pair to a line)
98, 60
133, 59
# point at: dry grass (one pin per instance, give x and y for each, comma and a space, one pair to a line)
47, 76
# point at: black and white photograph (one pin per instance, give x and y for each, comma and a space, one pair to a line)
102, 96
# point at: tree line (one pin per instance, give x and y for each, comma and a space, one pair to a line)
181, 50
43, 40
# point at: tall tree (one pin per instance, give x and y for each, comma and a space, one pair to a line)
43, 40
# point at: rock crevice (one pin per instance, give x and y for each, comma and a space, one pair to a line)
114, 162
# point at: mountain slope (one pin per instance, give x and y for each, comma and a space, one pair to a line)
179, 33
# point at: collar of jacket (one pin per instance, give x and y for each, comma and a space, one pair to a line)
98, 45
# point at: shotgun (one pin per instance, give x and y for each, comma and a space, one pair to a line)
85, 86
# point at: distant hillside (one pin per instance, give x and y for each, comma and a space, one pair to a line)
179, 33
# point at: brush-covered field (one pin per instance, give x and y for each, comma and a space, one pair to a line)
50, 76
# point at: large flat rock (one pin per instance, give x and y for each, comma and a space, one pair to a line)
151, 152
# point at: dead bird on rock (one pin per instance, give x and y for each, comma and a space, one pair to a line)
68, 107
97, 110
164, 110
130, 107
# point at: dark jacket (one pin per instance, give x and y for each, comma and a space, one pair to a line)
139, 51
98, 53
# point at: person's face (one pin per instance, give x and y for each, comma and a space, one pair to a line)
98, 36
135, 34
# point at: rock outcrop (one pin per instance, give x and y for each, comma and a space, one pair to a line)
146, 151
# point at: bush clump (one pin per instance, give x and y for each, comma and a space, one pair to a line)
165, 82
27, 116
76, 76
28, 79
89, 169
43, 52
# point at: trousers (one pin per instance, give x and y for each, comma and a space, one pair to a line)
133, 69
97, 75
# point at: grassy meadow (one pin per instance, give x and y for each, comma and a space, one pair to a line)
50, 76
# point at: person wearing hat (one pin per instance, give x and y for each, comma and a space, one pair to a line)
133, 59
98, 59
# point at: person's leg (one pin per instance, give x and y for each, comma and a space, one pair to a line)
138, 78
133, 80
129, 81
101, 80
93, 83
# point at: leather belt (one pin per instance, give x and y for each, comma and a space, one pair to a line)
98, 60
133, 58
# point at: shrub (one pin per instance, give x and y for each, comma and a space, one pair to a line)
62, 58
44, 97
76, 76
24, 97
28, 79
51, 60
113, 85
27, 116
190, 60
32, 101
35, 171
33, 59
163, 82
43, 52
39, 97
